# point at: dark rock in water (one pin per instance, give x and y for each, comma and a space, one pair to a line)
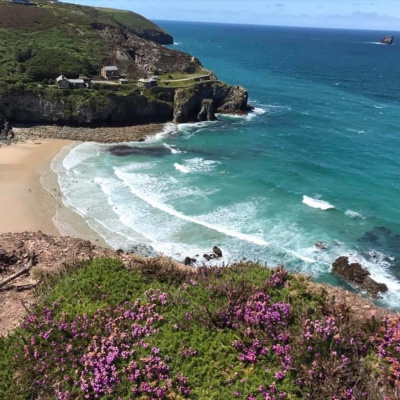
189, 261
6, 133
321, 245
142, 250
124, 151
207, 111
387, 40
385, 245
207, 257
355, 274
217, 251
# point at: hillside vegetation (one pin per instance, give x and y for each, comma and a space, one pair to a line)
43, 42
102, 330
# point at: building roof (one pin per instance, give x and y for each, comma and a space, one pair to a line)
123, 80
111, 68
76, 81
147, 80
61, 78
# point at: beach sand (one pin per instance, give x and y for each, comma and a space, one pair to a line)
27, 205
24, 203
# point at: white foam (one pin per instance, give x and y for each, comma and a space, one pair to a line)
78, 154
196, 165
171, 211
354, 214
181, 168
355, 130
315, 203
379, 268
169, 129
172, 149
257, 111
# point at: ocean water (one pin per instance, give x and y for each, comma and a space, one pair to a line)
317, 161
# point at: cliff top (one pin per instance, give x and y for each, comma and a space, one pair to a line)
46, 15
46, 40
126, 326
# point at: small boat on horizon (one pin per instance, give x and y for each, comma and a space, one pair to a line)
387, 40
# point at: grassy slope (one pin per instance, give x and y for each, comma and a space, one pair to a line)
59, 37
191, 353
130, 19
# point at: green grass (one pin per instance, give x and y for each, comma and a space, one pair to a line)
193, 318
103, 283
59, 39
130, 19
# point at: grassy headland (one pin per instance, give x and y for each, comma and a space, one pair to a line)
101, 330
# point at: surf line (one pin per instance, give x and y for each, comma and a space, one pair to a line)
238, 235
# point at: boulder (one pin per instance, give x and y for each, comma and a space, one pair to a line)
207, 257
217, 251
189, 261
359, 276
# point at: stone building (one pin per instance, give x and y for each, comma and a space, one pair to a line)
65, 83
110, 72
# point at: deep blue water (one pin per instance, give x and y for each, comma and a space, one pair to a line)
326, 126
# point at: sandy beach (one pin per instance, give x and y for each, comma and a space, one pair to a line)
24, 203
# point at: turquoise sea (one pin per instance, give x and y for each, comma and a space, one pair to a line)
317, 161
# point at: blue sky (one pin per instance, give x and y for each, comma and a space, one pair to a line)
357, 14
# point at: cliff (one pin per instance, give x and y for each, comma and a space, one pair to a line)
44, 41
96, 108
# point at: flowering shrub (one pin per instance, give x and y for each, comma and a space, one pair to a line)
243, 332
387, 342
94, 355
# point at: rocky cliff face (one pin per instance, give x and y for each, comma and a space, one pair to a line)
189, 103
37, 108
138, 57
197, 103
156, 36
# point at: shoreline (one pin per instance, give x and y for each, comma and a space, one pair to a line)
24, 202
134, 133
30, 198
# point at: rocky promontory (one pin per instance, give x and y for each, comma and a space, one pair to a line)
152, 83
91, 109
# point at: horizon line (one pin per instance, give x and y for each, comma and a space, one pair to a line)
272, 25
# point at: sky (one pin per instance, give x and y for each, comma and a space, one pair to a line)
349, 14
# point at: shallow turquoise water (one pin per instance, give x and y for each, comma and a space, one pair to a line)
326, 126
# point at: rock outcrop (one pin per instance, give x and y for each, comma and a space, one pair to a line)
217, 251
49, 106
358, 276
207, 111
189, 102
40, 107
387, 40
137, 57
6, 132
